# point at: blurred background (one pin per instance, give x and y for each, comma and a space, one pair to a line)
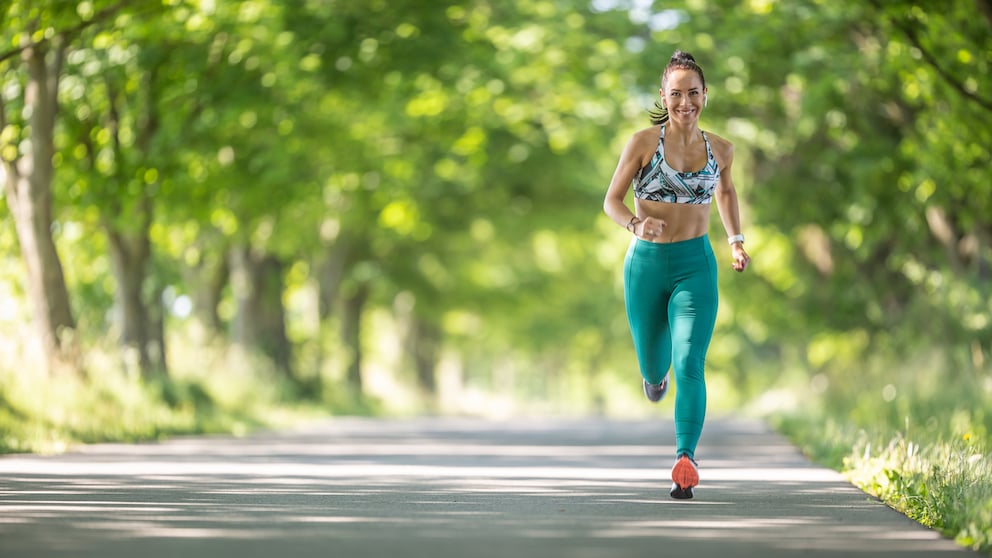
219, 213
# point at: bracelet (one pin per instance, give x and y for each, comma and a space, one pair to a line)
632, 224
735, 239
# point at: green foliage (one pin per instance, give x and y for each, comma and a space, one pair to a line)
921, 442
944, 485
941, 482
451, 157
233, 396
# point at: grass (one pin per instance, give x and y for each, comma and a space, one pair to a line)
925, 452
942, 483
210, 390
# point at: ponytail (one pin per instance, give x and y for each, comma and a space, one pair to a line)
659, 114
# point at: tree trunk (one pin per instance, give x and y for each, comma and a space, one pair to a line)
139, 312
351, 333
257, 280
156, 334
208, 280
423, 346
139, 342
29, 196
337, 259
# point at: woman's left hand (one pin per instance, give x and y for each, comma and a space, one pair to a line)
741, 259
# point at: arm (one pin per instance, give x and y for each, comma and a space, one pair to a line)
727, 205
635, 155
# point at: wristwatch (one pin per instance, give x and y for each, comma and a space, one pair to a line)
735, 239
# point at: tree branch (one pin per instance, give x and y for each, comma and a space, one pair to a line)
61, 47
106, 13
149, 121
932, 60
985, 6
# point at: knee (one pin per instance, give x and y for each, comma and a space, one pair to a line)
690, 368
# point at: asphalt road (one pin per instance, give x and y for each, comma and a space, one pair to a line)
445, 488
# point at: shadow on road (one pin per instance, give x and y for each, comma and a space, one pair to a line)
446, 487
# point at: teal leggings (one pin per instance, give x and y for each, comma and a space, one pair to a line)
670, 292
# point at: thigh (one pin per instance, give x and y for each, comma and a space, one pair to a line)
645, 288
693, 308
646, 298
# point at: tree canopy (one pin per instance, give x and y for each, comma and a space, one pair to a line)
317, 180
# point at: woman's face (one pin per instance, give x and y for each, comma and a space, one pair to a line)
683, 95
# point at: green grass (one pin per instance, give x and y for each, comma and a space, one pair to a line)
209, 390
942, 483
917, 437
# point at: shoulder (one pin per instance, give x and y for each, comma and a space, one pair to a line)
720, 144
723, 149
645, 140
647, 136
641, 146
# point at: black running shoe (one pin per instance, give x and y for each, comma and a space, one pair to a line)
656, 393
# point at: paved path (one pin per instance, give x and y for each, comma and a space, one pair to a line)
446, 488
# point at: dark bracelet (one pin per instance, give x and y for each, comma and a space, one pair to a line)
633, 223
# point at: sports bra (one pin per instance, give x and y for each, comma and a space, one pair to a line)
658, 181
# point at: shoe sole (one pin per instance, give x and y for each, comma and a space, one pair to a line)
684, 477
680, 493
662, 393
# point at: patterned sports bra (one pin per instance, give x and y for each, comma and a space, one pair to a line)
658, 181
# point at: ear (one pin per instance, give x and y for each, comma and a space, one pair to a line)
663, 104
705, 99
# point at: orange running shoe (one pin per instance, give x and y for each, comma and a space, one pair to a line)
685, 475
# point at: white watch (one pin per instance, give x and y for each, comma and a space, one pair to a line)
735, 239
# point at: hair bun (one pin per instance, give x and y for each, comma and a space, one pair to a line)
682, 56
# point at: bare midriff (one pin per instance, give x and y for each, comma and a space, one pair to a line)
682, 221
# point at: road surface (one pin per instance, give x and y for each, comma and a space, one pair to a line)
444, 487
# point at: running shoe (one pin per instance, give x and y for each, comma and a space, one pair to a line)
685, 475
656, 393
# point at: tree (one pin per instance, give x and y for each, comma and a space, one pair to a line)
115, 123
443, 123
863, 135
44, 32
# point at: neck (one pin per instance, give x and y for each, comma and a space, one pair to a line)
685, 133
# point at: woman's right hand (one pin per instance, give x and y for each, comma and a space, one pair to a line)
650, 229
